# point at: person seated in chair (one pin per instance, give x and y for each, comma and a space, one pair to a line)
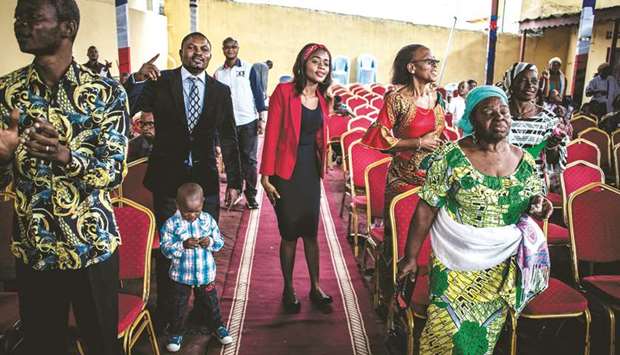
141, 146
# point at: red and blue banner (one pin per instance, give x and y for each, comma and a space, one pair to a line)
122, 36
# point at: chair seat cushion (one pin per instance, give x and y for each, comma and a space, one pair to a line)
129, 307
557, 234
608, 284
556, 199
359, 201
378, 234
558, 298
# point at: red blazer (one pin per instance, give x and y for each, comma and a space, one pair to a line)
283, 131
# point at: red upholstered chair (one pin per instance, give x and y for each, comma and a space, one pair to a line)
379, 89
346, 139
577, 175
582, 149
377, 102
402, 209
133, 188
136, 224
336, 126
346, 96
602, 141
369, 96
359, 122
581, 123
373, 115
355, 102
616, 154
364, 110
594, 229
615, 137
360, 91
360, 157
374, 180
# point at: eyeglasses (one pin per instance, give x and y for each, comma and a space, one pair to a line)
147, 123
430, 61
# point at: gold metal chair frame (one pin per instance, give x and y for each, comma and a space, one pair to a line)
616, 152
353, 217
144, 320
598, 130
585, 141
410, 314
376, 254
609, 308
565, 195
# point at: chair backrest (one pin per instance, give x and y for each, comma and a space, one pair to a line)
369, 96
379, 89
577, 175
582, 149
375, 177
7, 260
346, 139
360, 156
377, 103
133, 187
336, 126
602, 141
340, 69
364, 109
615, 137
581, 123
594, 225
360, 91
285, 79
136, 225
577, 114
366, 69
616, 154
402, 209
355, 101
360, 122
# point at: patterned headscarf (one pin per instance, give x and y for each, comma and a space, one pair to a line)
474, 97
514, 71
313, 48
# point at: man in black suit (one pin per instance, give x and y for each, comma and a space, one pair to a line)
191, 110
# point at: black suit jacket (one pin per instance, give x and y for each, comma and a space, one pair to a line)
167, 168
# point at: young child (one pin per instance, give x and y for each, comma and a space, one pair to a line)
189, 238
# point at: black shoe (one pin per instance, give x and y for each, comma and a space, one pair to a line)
291, 305
251, 203
320, 299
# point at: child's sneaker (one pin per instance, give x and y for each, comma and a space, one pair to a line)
174, 343
222, 335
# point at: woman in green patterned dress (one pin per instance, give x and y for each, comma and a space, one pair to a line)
488, 255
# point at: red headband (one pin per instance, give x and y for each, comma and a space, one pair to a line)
313, 48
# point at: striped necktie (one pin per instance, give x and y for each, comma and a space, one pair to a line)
194, 105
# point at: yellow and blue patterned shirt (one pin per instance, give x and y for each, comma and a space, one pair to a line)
64, 217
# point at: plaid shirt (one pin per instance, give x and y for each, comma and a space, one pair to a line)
192, 267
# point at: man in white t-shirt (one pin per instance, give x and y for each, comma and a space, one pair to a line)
249, 107
457, 105
603, 89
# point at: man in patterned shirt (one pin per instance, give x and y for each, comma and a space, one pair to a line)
62, 146
189, 238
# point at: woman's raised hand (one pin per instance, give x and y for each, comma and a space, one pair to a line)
272, 192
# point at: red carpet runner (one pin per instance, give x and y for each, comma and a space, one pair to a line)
251, 300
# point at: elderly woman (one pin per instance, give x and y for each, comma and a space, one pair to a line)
488, 255
409, 124
535, 129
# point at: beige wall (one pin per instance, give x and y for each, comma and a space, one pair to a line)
97, 27
278, 33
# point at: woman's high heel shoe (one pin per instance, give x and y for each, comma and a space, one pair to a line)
320, 299
291, 305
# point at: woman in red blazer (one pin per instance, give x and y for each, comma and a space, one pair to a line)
293, 163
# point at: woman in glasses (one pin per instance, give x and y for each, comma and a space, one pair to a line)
408, 127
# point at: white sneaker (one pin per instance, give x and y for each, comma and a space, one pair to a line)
222, 335
174, 343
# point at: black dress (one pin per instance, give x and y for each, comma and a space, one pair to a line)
298, 207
